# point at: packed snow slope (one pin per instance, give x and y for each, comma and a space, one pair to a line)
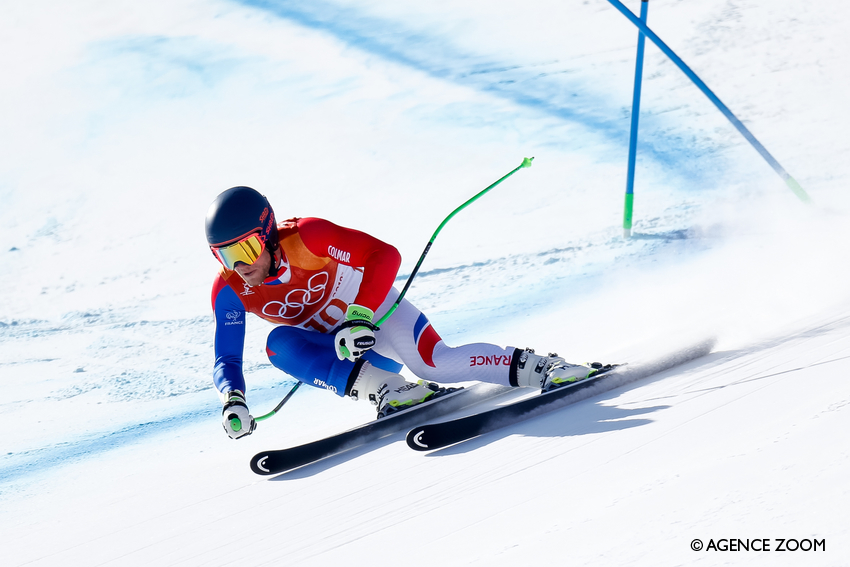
121, 121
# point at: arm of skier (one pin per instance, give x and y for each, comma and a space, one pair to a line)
227, 372
380, 262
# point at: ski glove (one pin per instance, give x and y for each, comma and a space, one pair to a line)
235, 418
356, 335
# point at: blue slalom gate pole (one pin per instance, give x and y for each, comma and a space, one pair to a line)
630, 176
790, 181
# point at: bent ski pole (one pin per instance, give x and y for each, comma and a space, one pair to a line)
280, 405
525, 163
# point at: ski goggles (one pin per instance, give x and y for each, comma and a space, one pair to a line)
246, 250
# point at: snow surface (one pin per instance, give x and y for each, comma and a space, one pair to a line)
120, 121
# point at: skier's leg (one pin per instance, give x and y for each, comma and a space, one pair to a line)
408, 336
309, 356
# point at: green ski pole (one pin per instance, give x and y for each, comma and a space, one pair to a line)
280, 405
525, 163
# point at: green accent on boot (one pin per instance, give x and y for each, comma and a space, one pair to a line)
397, 404
572, 379
236, 424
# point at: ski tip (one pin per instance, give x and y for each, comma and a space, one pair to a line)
417, 440
259, 466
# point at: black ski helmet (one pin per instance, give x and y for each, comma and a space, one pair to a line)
238, 212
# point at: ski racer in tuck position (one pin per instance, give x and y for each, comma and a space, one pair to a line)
324, 285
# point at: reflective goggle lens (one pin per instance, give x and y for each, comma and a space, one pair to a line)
246, 250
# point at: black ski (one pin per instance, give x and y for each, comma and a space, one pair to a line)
438, 435
280, 460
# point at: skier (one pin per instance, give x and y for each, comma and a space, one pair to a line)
324, 285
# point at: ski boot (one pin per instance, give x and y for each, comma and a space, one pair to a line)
549, 372
390, 391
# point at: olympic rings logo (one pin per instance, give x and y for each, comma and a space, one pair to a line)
297, 300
